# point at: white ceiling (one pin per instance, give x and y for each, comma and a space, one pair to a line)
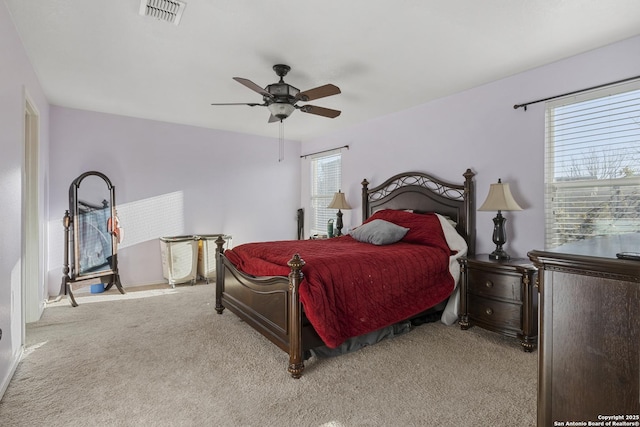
385, 56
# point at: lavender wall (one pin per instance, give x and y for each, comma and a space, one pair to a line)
172, 180
477, 129
17, 81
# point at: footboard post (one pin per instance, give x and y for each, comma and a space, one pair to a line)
219, 274
296, 362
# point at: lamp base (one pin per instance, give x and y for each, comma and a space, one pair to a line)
499, 238
499, 254
339, 223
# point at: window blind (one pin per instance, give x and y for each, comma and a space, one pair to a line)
592, 164
326, 176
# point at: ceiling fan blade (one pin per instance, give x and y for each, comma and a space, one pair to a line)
320, 111
318, 92
250, 104
251, 85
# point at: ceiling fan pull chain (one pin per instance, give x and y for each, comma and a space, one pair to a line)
281, 142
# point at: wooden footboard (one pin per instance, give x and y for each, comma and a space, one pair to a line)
271, 305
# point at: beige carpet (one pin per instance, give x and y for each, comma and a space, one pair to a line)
165, 358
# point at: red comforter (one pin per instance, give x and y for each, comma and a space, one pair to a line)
351, 288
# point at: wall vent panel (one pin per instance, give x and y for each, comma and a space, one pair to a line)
163, 10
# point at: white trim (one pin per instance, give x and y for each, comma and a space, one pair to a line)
33, 282
12, 370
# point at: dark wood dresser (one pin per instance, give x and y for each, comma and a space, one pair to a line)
500, 296
589, 347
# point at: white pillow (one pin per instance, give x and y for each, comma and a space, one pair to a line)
379, 232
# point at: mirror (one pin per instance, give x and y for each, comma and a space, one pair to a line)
91, 233
93, 247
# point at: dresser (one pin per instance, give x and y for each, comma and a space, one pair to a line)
500, 296
589, 348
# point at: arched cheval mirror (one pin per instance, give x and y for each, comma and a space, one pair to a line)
91, 234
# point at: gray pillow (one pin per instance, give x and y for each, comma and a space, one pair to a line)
379, 232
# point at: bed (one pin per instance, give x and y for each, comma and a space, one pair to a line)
303, 294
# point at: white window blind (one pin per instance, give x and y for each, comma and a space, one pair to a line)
326, 176
592, 164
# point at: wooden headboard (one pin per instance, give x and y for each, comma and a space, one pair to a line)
421, 192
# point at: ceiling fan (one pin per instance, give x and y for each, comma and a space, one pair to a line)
281, 98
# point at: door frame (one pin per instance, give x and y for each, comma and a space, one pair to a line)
32, 248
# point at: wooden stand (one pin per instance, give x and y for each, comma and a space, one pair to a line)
499, 295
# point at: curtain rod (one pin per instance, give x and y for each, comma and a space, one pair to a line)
573, 93
304, 156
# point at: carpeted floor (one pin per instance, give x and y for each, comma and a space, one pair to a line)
164, 358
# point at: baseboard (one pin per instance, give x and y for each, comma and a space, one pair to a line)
12, 370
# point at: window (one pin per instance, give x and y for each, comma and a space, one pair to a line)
326, 176
592, 165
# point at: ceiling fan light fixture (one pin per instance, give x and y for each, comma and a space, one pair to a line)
281, 110
282, 89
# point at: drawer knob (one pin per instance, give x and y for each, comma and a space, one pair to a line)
489, 284
489, 311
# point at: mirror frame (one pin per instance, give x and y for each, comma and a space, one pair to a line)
74, 209
110, 276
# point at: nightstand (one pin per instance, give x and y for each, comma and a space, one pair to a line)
500, 296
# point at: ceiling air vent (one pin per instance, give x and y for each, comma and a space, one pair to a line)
164, 10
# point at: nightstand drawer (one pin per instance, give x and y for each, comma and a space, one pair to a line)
495, 285
496, 313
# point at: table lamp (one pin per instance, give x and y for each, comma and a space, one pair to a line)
339, 202
499, 199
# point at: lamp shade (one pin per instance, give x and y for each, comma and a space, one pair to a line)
500, 199
281, 110
339, 201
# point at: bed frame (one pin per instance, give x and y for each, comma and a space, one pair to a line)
272, 306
